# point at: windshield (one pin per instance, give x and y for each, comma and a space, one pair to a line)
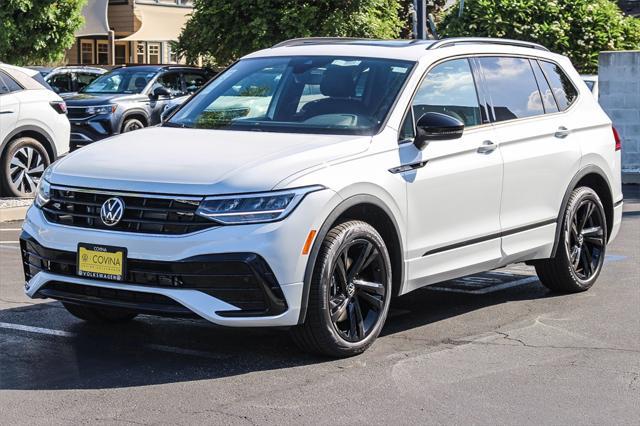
120, 81
304, 94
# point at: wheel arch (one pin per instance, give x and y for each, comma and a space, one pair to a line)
136, 113
595, 178
36, 133
369, 209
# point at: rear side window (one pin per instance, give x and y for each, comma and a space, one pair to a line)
512, 87
563, 90
61, 83
194, 81
8, 84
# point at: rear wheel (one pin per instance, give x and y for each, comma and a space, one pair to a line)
99, 315
581, 248
23, 164
350, 292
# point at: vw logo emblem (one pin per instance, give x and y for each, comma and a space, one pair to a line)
111, 211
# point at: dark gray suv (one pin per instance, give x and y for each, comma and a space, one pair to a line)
129, 98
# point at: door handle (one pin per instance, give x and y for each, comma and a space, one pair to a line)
487, 147
562, 132
6, 111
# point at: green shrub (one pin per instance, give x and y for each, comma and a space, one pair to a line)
221, 31
37, 31
579, 29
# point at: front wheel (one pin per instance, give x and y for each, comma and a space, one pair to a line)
581, 249
131, 124
23, 163
350, 292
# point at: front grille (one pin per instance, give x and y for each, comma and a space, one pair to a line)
240, 279
142, 214
77, 112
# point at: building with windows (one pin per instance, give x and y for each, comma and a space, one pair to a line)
120, 32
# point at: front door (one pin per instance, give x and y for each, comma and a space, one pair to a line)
453, 194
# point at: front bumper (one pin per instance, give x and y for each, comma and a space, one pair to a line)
278, 245
86, 131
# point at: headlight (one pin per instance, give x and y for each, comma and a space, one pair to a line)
253, 208
106, 109
43, 193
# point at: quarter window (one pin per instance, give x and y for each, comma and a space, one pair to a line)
449, 89
563, 90
8, 84
548, 100
512, 87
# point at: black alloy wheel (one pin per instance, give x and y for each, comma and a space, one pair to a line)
349, 292
357, 294
581, 248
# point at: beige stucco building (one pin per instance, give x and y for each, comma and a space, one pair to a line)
120, 32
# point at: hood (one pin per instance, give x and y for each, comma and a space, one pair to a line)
86, 99
198, 161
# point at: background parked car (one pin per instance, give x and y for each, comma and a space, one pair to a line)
34, 130
592, 84
73, 78
129, 98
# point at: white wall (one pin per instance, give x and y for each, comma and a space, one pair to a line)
619, 81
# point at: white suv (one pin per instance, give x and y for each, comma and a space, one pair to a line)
34, 130
311, 182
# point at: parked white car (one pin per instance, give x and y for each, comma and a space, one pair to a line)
366, 170
34, 130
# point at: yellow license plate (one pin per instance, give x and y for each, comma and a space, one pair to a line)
102, 262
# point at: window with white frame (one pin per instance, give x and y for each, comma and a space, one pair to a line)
86, 52
103, 53
154, 53
140, 53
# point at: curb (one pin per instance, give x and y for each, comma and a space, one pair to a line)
13, 213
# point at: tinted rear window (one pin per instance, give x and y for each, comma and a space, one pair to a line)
563, 90
512, 87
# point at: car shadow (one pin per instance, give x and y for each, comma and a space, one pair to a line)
55, 351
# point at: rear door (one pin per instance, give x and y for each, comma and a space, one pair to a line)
453, 191
540, 154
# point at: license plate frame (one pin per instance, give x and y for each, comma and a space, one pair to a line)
99, 261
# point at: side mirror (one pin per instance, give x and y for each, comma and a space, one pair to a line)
434, 126
164, 116
160, 91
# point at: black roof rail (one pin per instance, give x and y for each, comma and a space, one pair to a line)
318, 40
484, 40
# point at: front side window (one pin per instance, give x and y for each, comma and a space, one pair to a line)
61, 83
302, 94
512, 87
449, 88
124, 81
563, 90
171, 82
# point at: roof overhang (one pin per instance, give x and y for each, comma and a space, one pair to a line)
95, 19
159, 23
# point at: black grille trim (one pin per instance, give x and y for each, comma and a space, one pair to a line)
240, 279
145, 214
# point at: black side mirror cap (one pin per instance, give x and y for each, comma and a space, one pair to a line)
160, 91
434, 126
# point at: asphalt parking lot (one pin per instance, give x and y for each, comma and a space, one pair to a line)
495, 348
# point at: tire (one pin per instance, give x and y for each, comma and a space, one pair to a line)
131, 124
347, 305
581, 248
23, 163
99, 315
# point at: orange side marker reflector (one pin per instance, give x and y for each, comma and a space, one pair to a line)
307, 244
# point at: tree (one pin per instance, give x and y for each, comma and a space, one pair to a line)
579, 29
221, 31
37, 31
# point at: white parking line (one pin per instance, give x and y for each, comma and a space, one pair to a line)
38, 330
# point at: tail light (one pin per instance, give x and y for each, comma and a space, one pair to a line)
59, 106
616, 136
